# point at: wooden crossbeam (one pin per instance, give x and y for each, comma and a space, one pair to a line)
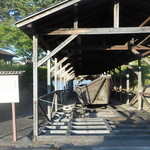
57, 49
115, 47
97, 31
140, 56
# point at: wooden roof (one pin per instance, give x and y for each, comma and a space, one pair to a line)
100, 45
6, 55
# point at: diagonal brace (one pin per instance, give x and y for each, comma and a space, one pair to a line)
57, 49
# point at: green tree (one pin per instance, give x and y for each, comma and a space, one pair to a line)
11, 37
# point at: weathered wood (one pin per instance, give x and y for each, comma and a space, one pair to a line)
45, 12
116, 13
92, 31
57, 49
35, 86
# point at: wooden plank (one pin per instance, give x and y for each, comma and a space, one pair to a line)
97, 31
57, 49
90, 132
45, 12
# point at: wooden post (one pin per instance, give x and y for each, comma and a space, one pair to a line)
116, 13
115, 83
60, 77
120, 86
55, 75
14, 122
139, 85
35, 86
128, 85
49, 86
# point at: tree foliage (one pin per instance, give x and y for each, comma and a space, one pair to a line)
12, 38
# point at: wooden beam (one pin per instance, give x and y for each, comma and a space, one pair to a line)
57, 49
97, 31
115, 47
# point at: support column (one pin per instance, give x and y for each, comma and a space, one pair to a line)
55, 75
115, 85
60, 77
128, 85
49, 90
120, 86
116, 13
139, 85
55, 83
35, 86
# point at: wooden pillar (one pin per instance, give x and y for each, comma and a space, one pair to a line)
60, 77
35, 86
49, 90
120, 83
116, 13
128, 85
55, 83
115, 85
139, 85
55, 75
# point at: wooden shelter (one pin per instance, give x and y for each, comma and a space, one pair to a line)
88, 37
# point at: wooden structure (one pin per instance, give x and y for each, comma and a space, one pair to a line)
88, 37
